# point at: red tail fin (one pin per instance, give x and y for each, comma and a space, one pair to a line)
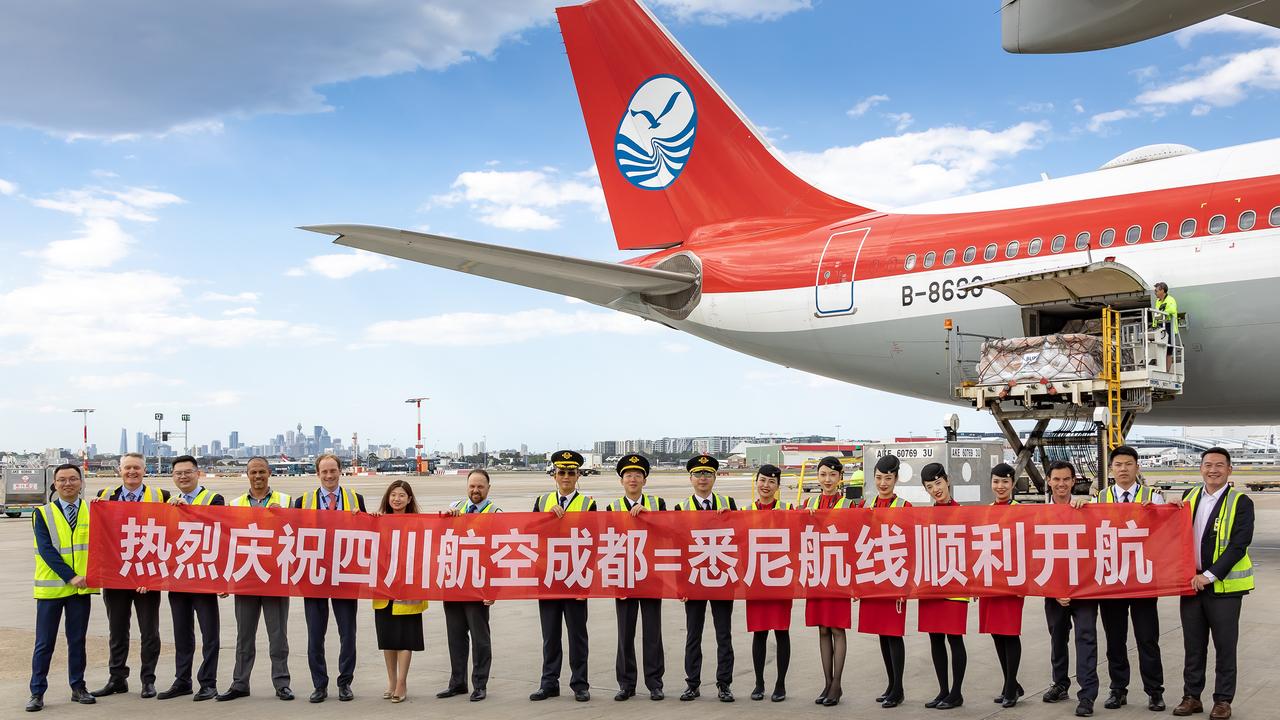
675, 155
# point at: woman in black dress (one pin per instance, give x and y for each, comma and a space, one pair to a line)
398, 622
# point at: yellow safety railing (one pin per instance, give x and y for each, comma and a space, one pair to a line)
1111, 374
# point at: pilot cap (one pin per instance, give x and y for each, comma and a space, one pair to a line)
699, 463
567, 459
633, 462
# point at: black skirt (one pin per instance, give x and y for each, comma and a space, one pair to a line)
398, 632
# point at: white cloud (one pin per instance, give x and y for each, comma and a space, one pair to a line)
717, 12
243, 297
918, 166
7, 188
123, 380
99, 244
101, 240
865, 104
1077, 106
342, 265
1036, 107
1144, 74
240, 312
482, 329
1224, 81
901, 121
522, 199
63, 71
1227, 24
675, 347
1100, 123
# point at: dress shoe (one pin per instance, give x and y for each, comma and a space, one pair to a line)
818, 700
725, 694
934, 702
35, 703
478, 694
582, 695
450, 692
148, 690
1156, 703
1057, 693
690, 694
544, 693
1188, 706
883, 696
1009, 702
283, 693
891, 702
345, 694
174, 691
779, 694
206, 693
81, 695
111, 688
1001, 699
1084, 709
624, 695
1221, 711
833, 699
1115, 701
319, 695
757, 693
232, 694
656, 695
950, 702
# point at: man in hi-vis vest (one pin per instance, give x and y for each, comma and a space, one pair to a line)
566, 469
1222, 520
190, 608
61, 531
467, 621
249, 608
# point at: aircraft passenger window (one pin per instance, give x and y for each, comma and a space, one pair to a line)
1187, 228
1033, 247
1217, 224
1275, 217
970, 253
929, 259
1011, 250
1160, 231
1082, 241
1247, 219
990, 252
911, 262
1133, 235
1059, 242
1107, 237
949, 257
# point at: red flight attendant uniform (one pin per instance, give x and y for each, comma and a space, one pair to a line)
1000, 615
828, 612
883, 616
944, 615
765, 615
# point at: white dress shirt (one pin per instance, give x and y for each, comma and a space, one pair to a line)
1204, 515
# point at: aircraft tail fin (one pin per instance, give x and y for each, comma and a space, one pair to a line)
676, 158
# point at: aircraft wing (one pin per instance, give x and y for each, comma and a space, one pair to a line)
1266, 12
622, 287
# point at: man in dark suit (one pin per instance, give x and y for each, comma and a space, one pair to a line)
1222, 522
633, 473
330, 496
123, 604
467, 621
189, 608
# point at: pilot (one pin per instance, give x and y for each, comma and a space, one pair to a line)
633, 473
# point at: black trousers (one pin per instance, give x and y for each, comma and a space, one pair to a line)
189, 609
121, 606
275, 611
1082, 616
1146, 630
695, 615
316, 612
48, 617
467, 623
649, 611
573, 613
1205, 614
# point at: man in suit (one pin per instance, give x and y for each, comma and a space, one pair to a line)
189, 608
250, 608
330, 496
633, 473
566, 469
61, 531
703, 470
1222, 522
123, 604
467, 621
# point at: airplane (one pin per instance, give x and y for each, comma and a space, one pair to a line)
1054, 26
747, 255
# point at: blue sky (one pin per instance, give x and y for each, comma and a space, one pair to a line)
154, 165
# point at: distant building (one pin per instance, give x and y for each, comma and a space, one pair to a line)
215, 448
234, 440
461, 450
124, 441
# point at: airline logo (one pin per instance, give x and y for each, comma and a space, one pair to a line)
655, 136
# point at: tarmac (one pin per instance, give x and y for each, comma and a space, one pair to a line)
517, 645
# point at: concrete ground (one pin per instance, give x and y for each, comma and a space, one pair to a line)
517, 643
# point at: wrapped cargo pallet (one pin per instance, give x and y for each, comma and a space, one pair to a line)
1053, 358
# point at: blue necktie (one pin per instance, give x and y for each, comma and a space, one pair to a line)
71, 512
471, 508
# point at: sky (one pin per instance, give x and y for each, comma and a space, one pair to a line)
155, 162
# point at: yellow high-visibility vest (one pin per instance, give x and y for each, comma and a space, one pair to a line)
648, 501
844, 502
72, 545
275, 499
402, 607
311, 501
1240, 577
579, 503
1112, 494
718, 502
148, 494
779, 505
487, 507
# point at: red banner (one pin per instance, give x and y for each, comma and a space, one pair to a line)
1121, 550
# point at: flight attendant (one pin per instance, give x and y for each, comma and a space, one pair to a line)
766, 615
887, 617
1001, 617
945, 619
832, 616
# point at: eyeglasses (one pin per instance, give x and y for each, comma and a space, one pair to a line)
185, 473
703, 474
566, 473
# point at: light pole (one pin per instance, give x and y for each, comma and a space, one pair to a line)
159, 417
838, 438
85, 413
418, 402
186, 441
